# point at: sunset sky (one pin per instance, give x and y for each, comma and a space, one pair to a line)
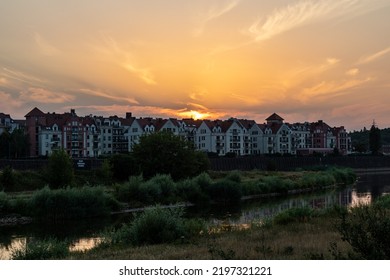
303, 59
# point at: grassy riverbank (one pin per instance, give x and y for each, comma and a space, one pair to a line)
298, 233
206, 188
312, 237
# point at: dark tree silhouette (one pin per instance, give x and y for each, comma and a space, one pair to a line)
375, 139
166, 153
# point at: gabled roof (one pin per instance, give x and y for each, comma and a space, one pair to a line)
274, 117
247, 124
35, 113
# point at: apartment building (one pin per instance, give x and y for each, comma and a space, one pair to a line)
93, 136
8, 124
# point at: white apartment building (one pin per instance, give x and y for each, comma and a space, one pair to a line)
93, 136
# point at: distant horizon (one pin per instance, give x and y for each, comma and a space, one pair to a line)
207, 59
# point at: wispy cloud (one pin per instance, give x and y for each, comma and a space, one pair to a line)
352, 72
44, 46
41, 95
330, 89
106, 95
125, 59
214, 12
21, 77
372, 57
300, 14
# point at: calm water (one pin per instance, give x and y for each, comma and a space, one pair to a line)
84, 235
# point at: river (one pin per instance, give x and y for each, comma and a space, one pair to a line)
84, 234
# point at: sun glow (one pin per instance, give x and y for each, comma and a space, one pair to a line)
196, 115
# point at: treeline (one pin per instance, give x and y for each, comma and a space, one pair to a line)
361, 139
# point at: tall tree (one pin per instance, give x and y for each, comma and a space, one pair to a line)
60, 171
375, 141
166, 153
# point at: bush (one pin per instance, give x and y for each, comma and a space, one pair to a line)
343, 175
225, 191
154, 226
128, 191
71, 203
42, 250
190, 190
276, 184
367, 229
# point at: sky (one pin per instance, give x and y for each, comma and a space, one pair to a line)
306, 60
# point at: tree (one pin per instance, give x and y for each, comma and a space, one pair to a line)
60, 170
375, 142
166, 153
123, 166
13, 144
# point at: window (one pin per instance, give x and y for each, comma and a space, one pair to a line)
135, 129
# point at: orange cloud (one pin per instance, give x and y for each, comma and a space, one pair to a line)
42, 95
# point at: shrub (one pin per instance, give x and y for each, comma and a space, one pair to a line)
154, 226
149, 192
42, 250
203, 180
128, 191
275, 184
343, 175
367, 229
190, 190
225, 191
71, 203
166, 184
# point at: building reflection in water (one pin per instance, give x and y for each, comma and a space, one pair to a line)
20, 243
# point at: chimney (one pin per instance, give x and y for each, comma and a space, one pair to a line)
73, 112
129, 115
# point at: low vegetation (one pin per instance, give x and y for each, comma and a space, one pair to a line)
80, 202
298, 233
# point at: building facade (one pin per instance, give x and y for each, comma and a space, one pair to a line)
93, 136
